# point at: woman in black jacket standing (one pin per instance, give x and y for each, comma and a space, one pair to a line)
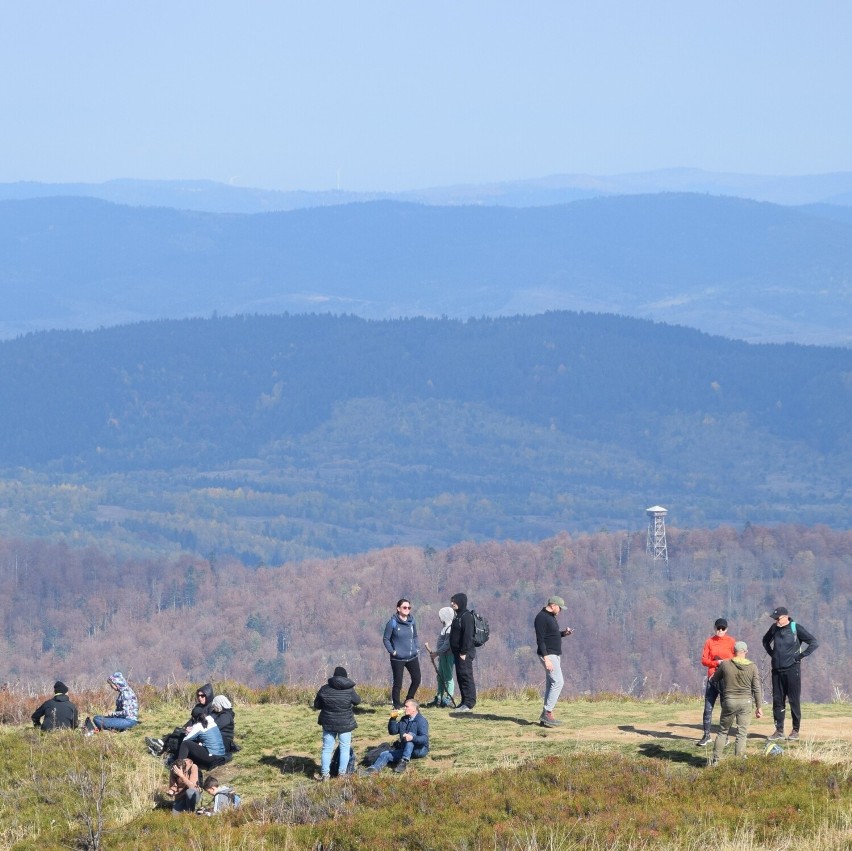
336, 702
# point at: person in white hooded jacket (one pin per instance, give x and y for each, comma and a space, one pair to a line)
738, 683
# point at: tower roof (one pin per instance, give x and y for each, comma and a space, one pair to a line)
656, 509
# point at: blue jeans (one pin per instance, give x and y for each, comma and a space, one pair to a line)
399, 752
710, 695
187, 802
107, 722
328, 737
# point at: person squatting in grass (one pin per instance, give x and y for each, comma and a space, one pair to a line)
400, 640
462, 632
413, 743
224, 797
58, 712
336, 702
548, 639
126, 714
718, 647
183, 786
737, 680
783, 642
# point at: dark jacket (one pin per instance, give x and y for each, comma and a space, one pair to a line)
548, 637
201, 708
225, 722
58, 712
785, 648
418, 726
400, 639
462, 628
336, 701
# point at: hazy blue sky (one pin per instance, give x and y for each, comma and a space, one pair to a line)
396, 95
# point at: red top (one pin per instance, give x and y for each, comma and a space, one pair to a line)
717, 648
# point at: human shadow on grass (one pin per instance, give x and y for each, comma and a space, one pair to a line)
653, 734
658, 751
292, 764
487, 716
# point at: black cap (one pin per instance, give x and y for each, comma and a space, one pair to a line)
60, 688
721, 623
776, 613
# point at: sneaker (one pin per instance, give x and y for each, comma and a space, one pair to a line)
401, 766
703, 741
776, 736
463, 708
547, 720
794, 735
155, 746
89, 726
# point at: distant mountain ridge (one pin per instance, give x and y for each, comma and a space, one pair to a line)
738, 268
212, 197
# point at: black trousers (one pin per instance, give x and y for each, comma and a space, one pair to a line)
199, 754
464, 677
787, 685
398, 667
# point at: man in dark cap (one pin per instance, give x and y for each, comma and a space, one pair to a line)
58, 712
783, 642
548, 639
462, 631
717, 648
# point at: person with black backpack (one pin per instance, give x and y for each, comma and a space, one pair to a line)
462, 634
336, 702
783, 642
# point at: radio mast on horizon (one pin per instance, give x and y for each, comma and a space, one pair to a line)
657, 533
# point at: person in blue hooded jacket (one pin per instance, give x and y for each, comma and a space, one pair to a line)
400, 641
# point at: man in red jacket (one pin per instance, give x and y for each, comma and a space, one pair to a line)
717, 648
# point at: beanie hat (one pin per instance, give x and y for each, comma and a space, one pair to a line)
60, 688
446, 614
220, 703
340, 671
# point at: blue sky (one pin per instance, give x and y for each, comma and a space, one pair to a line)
399, 95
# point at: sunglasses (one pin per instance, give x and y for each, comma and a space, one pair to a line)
405, 607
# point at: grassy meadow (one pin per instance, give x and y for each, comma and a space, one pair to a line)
620, 775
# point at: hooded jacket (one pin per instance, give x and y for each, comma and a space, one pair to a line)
126, 702
206, 733
462, 628
336, 702
223, 715
400, 638
738, 679
58, 713
446, 614
785, 648
201, 708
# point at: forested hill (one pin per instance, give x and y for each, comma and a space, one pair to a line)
282, 437
742, 269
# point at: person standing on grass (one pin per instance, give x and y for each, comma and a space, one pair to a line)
462, 632
548, 639
718, 647
336, 702
783, 642
58, 712
443, 656
737, 680
400, 640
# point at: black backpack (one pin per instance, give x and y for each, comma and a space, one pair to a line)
481, 630
334, 769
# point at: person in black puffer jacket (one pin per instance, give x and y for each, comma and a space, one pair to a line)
58, 712
336, 702
223, 715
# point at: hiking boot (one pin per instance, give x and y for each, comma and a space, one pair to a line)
547, 720
794, 735
776, 736
155, 746
401, 766
703, 741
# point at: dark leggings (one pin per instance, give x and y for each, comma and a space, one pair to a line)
398, 666
199, 754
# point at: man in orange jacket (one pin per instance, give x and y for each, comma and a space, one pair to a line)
717, 648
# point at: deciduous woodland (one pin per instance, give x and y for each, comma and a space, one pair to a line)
78, 614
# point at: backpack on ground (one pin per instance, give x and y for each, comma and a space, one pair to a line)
373, 753
481, 630
334, 768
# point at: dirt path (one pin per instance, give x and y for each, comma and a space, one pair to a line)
687, 725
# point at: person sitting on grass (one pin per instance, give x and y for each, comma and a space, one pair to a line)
170, 743
58, 712
223, 715
224, 797
413, 732
183, 786
126, 713
203, 743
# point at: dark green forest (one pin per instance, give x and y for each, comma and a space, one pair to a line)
275, 438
